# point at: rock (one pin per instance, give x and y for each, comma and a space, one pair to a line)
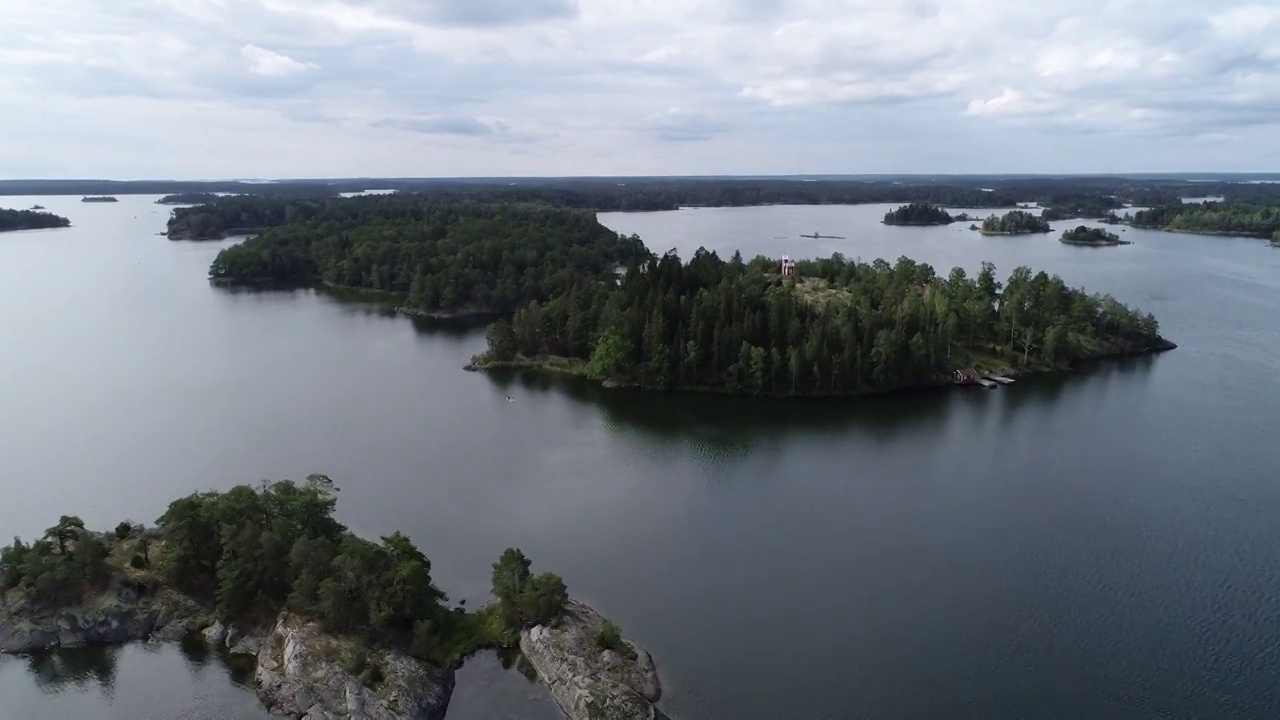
233, 635
215, 634
300, 674
585, 681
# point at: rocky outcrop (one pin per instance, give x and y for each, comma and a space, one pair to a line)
588, 682
117, 615
303, 673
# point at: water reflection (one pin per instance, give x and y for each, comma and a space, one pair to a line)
79, 668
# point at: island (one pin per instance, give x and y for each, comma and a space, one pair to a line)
1015, 222
337, 626
1082, 235
189, 198
98, 199
1063, 207
1213, 218
918, 214
37, 207
30, 220
571, 296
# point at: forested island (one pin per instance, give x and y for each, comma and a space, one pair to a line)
261, 569
1213, 218
30, 220
439, 257
1082, 235
1015, 222
98, 199
1081, 206
189, 198
918, 214
841, 328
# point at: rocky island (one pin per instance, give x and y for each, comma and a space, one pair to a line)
30, 220
1083, 235
1213, 218
1015, 222
337, 626
98, 199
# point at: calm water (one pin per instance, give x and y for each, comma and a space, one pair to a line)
1098, 545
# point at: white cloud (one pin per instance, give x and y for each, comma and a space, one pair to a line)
270, 64
607, 86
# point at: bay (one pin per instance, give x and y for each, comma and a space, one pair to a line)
1098, 544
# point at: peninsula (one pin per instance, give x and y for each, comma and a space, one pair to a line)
98, 199
1082, 235
339, 626
30, 220
190, 198
1213, 218
1015, 222
918, 214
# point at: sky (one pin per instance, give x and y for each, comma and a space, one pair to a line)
193, 89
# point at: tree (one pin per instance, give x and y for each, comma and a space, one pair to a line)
69, 528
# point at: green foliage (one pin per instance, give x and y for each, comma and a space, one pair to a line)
1016, 222
918, 214
525, 599
1229, 218
124, 530
30, 220
1082, 235
1064, 206
60, 569
842, 327
137, 561
609, 637
442, 256
188, 198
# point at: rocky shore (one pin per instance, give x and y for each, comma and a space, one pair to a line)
301, 672
586, 681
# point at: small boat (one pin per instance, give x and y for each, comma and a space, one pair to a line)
510, 399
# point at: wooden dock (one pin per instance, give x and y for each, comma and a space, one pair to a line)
988, 384
1001, 379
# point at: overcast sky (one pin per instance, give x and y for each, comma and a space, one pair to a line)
314, 88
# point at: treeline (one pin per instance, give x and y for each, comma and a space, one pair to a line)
30, 220
1224, 218
1063, 207
442, 256
918, 214
1082, 235
1015, 222
190, 198
846, 327
250, 552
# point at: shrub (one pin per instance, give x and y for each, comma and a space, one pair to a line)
124, 530
137, 561
609, 637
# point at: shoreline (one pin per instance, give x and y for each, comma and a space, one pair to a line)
576, 367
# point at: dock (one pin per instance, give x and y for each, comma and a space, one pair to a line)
988, 384
1001, 379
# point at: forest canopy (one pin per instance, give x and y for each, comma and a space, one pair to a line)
30, 220
447, 257
918, 214
1015, 222
250, 552
1082, 235
843, 327
1223, 218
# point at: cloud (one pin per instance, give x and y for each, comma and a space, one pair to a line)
615, 86
445, 125
270, 64
677, 125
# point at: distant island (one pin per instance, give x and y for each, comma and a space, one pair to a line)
331, 620
1015, 222
30, 220
1082, 235
98, 199
1213, 218
1081, 206
918, 214
37, 207
191, 198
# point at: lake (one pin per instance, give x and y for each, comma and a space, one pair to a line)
1099, 544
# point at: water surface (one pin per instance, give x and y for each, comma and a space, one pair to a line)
1101, 544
